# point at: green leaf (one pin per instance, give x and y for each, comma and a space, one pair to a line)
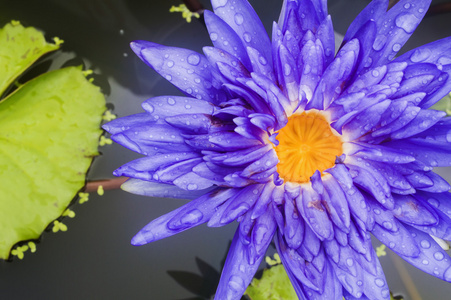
19, 48
49, 131
444, 104
274, 285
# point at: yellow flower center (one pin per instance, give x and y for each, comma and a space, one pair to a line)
306, 144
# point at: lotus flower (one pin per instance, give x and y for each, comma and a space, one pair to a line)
311, 149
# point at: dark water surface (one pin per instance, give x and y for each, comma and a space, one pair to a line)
94, 258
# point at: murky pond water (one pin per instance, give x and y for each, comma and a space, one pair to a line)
94, 259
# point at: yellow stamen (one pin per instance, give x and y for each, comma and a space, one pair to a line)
306, 144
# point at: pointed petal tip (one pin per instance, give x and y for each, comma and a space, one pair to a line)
142, 238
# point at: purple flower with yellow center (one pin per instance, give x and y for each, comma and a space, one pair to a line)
301, 146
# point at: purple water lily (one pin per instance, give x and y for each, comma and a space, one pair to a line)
301, 146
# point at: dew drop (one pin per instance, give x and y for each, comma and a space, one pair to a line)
405, 21
350, 262
213, 36
425, 262
149, 107
407, 5
192, 217
420, 55
438, 256
220, 3
375, 73
188, 106
170, 63
194, 59
387, 225
425, 244
247, 37
239, 19
168, 77
171, 101
359, 283
236, 283
379, 42
287, 69
396, 47
192, 187
379, 282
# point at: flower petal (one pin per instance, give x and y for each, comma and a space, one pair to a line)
238, 270
188, 70
191, 214
241, 17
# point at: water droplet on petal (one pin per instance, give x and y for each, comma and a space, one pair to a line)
192, 187
438, 255
247, 37
425, 262
387, 225
287, 69
379, 282
213, 36
379, 42
239, 19
396, 47
170, 63
425, 244
406, 22
192, 217
236, 283
350, 262
194, 59
168, 77
171, 101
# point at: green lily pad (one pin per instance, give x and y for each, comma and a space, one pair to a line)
49, 131
444, 104
274, 285
20, 47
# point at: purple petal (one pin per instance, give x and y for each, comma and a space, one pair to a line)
241, 17
411, 211
375, 10
223, 37
186, 69
259, 64
290, 74
356, 201
243, 200
266, 162
143, 168
168, 106
191, 214
125, 123
238, 270
294, 264
430, 152
380, 153
192, 182
152, 139
154, 189
438, 53
336, 76
366, 120
293, 231
432, 259
309, 204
